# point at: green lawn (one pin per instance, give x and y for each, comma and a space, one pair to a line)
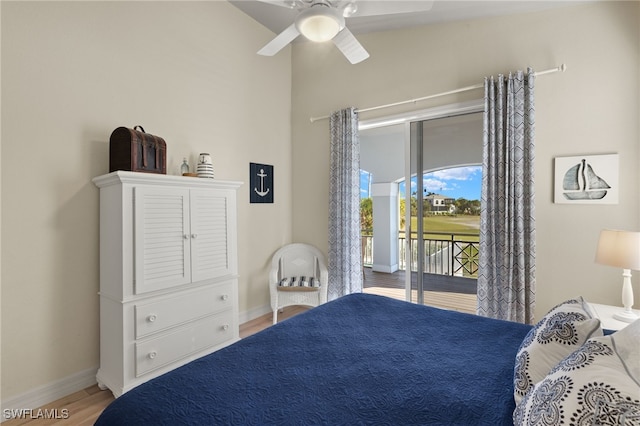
461, 224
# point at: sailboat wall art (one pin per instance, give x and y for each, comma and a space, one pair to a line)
586, 179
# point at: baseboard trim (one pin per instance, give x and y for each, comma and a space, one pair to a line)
389, 269
50, 392
254, 313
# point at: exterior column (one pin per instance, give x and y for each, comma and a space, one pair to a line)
385, 226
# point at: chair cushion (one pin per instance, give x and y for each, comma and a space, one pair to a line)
299, 284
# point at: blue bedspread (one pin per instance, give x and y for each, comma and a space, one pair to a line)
361, 359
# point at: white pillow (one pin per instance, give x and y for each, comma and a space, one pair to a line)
560, 332
627, 342
595, 385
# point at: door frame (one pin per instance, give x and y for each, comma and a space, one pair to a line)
406, 118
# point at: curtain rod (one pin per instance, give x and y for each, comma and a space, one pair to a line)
561, 68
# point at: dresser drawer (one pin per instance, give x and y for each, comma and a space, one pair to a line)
172, 311
184, 341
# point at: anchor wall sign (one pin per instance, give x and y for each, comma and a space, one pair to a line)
261, 183
586, 179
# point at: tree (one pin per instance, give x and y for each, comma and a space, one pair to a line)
414, 205
469, 207
474, 207
366, 214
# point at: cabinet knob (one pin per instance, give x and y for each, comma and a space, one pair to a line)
225, 327
224, 297
186, 236
152, 355
194, 235
152, 318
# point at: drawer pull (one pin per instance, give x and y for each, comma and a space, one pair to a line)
152, 318
225, 297
225, 327
152, 355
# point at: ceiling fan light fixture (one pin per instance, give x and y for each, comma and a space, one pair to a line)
350, 9
319, 23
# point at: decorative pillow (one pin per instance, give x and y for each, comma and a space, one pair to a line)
560, 332
595, 385
299, 283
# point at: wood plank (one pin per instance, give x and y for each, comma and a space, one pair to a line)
393, 285
264, 321
71, 409
452, 301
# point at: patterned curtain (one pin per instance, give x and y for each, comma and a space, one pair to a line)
506, 277
345, 260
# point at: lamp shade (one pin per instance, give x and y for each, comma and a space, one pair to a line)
619, 248
319, 23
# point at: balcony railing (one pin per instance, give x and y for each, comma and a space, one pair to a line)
444, 253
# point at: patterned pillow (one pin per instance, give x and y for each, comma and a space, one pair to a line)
564, 329
595, 385
299, 283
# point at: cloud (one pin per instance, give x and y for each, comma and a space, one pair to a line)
458, 173
445, 180
435, 185
455, 182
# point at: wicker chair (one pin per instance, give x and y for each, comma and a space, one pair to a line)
297, 263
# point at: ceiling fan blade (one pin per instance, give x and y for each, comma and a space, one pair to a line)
289, 4
350, 46
373, 8
277, 44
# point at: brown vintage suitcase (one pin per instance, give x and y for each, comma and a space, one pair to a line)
137, 151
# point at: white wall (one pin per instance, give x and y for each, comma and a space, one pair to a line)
591, 109
71, 73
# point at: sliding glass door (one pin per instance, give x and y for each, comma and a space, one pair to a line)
442, 199
415, 227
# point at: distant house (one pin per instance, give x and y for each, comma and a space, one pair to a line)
440, 204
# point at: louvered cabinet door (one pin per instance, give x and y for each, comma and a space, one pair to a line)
210, 233
161, 238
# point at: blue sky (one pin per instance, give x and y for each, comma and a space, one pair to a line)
458, 182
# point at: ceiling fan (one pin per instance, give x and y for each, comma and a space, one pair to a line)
324, 20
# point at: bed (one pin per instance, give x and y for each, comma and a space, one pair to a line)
361, 359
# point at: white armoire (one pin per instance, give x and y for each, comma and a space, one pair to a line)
168, 273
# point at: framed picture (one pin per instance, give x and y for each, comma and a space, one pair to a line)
586, 179
261, 183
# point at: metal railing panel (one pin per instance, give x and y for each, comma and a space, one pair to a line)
445, 253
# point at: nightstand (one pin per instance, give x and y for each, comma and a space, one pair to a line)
605, 314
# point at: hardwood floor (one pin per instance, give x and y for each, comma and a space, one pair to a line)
80, 408
454, 293
260, 323
84, 407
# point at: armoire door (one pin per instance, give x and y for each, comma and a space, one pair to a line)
162, 238
210, 230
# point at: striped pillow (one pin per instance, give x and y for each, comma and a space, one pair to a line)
299, 283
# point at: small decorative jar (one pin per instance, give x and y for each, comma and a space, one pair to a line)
205, 166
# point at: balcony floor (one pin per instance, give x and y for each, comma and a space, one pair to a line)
454, 293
